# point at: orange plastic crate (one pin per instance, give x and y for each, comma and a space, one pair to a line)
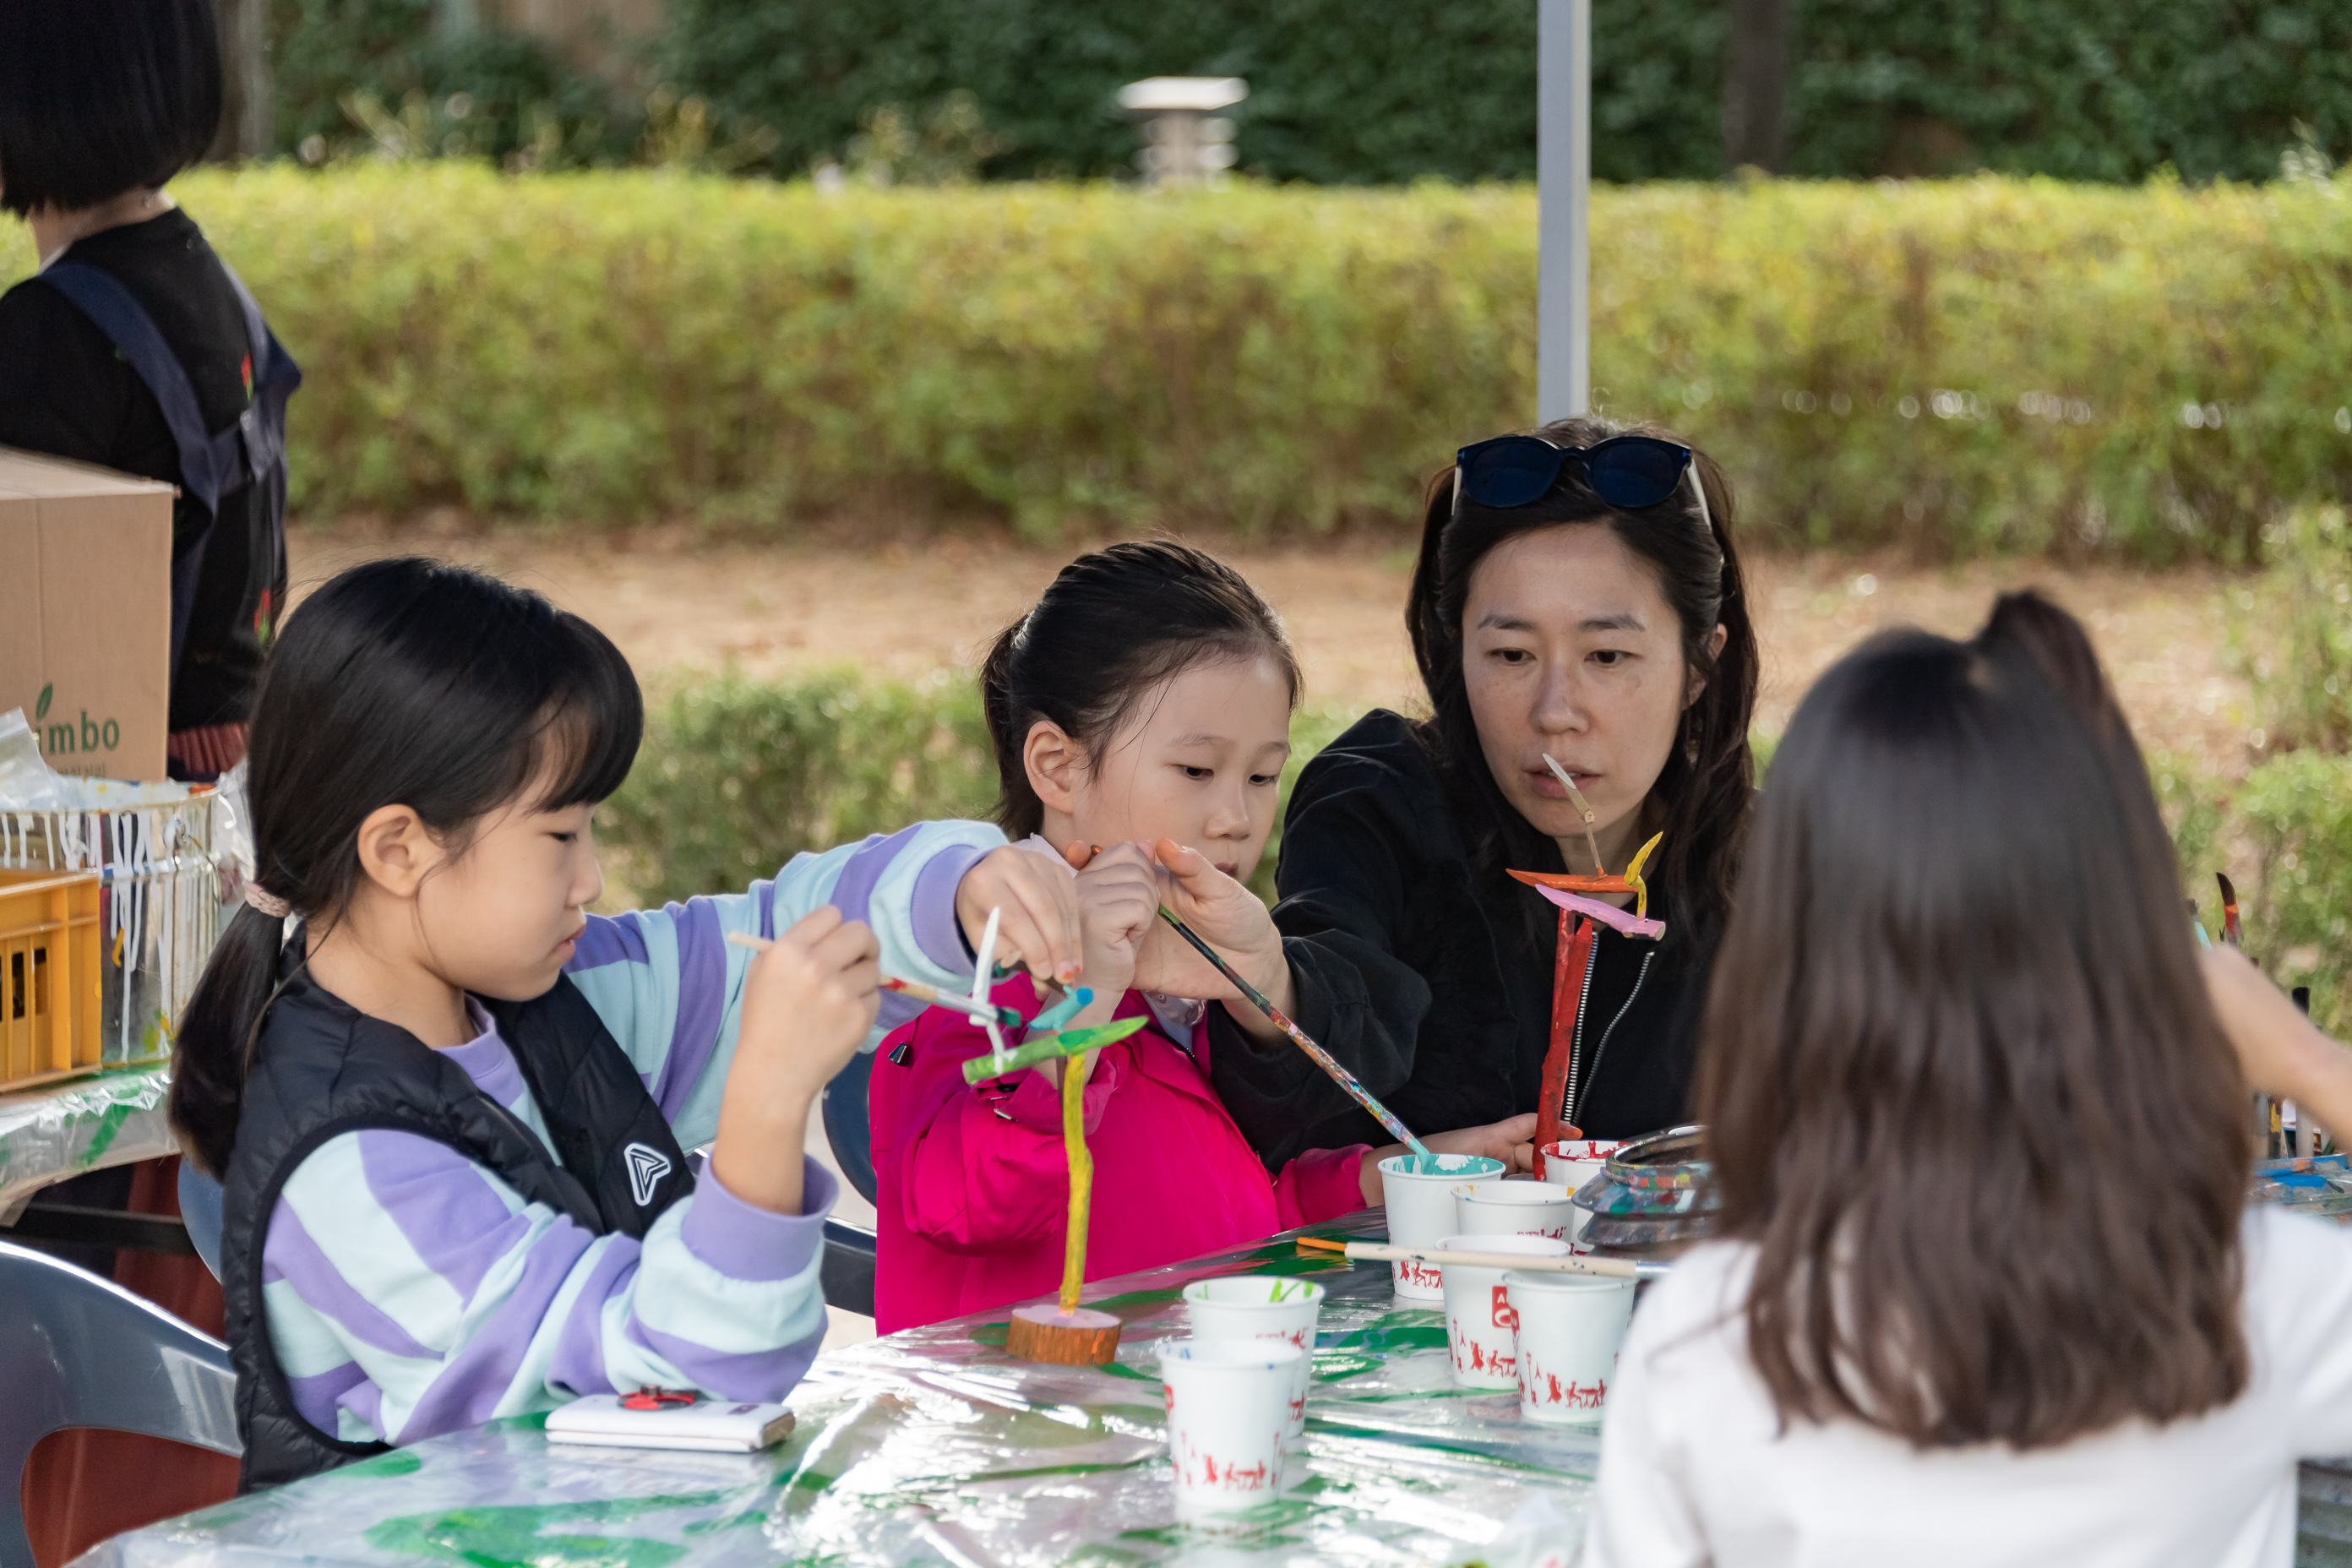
48, 976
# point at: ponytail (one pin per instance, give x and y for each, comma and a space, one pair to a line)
1112, 627
214, 1048
400, 682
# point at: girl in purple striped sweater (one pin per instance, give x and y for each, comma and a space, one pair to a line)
449, 1107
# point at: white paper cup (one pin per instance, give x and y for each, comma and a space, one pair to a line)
1421, 1212
1228, 1402
1516, 1208
1570, 1164
1478, 1310
1262, 1307
1570, 1327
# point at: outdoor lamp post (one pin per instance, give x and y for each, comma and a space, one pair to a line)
1185, 141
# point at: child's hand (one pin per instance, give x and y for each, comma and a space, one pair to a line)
1039, 928
1228, 917
1511, 1140
1118, 907
808, 1002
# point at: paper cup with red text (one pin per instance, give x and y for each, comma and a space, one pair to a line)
1570, 1164
1262, 1307
1516, 1208
1478, 1321
1421, 1212
1569, 1328
1228, 1402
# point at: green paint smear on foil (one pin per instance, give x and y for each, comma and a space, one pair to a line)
109, 1124
517, 1536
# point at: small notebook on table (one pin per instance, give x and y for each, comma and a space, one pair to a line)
716, 1425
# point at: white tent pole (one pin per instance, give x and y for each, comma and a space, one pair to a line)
1563, 178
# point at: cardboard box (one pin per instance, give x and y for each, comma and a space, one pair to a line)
86, 612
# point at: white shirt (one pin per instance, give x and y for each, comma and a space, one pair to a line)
1693, 1471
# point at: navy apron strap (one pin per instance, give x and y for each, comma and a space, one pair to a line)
134, 334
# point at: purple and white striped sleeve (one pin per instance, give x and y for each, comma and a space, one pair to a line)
670, 988
409, 1291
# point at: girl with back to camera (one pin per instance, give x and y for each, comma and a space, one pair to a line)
449, 1107
1141, 715
1988, 1292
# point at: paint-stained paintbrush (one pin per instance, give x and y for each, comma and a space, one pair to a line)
1321, 1057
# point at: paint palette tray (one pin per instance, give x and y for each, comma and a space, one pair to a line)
2319, 1185
1652, 1197
1658, 1176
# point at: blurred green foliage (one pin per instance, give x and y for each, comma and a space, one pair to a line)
378, 76
1341, 93
736, 777
2149, 373
2290, 818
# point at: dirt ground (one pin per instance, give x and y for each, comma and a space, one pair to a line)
675, 602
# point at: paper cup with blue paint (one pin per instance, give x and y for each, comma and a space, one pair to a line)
1261, 1307
1228, 1402
1569, 1328
1419, 1192
1516, 1208
1478, 1321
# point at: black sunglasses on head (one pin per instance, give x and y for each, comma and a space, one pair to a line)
1519, 470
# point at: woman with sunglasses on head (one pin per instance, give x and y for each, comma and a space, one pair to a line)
1578, 597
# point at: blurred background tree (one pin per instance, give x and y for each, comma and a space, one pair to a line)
1345, 94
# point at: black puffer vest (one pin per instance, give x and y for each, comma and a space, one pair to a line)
324, 1068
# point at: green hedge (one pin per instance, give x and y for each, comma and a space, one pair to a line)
1957, 368
1340, 92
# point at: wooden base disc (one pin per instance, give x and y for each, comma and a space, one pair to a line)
1085, 1338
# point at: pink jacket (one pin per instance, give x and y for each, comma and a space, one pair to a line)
975, 1186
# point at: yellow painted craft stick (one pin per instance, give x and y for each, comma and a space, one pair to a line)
1082, 1180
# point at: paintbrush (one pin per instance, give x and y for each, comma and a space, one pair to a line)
1322, 1058
980, 1011
1534, 1263
1583, 809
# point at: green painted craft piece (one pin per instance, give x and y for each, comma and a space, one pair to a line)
1068, 1043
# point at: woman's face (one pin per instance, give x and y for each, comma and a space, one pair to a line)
1569, 647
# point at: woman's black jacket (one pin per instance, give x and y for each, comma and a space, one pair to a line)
1432, 983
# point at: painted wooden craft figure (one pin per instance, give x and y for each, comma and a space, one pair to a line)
1580, 911
1065, 1332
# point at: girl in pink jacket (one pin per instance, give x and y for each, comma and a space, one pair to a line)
1141, 715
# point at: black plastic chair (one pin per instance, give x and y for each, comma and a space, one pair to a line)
846, 1125
80, 1351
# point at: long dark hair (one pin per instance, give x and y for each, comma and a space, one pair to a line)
1700, 800
1112, 627
1964, 1090
402, 682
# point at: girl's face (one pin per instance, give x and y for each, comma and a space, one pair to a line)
1198, 761
500, 919
1569, 647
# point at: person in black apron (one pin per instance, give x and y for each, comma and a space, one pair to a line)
135, 347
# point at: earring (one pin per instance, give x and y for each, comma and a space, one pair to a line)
1690, 734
